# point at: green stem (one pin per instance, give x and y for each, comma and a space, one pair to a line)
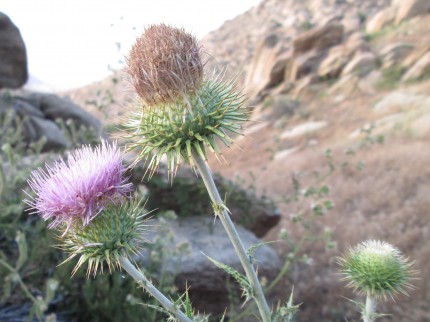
288, 262
19, 279
234, 236
369, 314
151, 289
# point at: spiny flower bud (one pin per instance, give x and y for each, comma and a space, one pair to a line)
377, 269
77, 190
191, 112
165, 63
115, 233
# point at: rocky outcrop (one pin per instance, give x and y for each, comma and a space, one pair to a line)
268, 65
310, 48
318, 39
39, 112
420, 69
382, 19
13, 56
393, 54
360, 65
412, 8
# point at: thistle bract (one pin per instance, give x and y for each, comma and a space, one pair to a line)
176, 129
376, 268
77, 190
118, 231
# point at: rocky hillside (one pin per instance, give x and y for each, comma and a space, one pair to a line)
340, 92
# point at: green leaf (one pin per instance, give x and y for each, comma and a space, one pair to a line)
240, 278
251, 250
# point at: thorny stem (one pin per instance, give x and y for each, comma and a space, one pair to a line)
369, 313
234, 237
151, 289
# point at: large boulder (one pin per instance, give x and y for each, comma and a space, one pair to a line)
361, 65
37, 114
310, 48
394, 54
188, 197
209, 287
318, 38
420, 69
13, 56
332, 65
268, 64
411, 8
382, 19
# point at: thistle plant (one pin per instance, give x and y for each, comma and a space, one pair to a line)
180, 111
180, 114
377, 270
88, 200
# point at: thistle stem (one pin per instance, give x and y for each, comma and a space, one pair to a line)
369, 313
151, 289
234, 236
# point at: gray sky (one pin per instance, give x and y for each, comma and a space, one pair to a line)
71, 43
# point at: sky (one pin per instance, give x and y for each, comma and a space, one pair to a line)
71, 43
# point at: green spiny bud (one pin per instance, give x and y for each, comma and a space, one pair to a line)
116, 232
178, 128
377, 269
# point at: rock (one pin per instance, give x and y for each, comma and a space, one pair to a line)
345, 86
396, 101
318, 38
360, 65
13, 56
415, 55
38, 113
303, 129
202, 236
55, 107
393, 54
303, 65
420, 69
267, 66
302, 85
382, 19
368, 85
333, 63
351, 22
356, 43
411, 8
187, 196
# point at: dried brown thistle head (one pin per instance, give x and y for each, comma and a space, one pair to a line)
165, 63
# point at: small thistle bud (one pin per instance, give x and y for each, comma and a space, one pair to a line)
377, 269
117, 232
77, 190
165, 63
192, 113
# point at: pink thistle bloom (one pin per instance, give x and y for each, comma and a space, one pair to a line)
79, 188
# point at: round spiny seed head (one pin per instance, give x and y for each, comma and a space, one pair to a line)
376, 268
185, 126
117, 232
165, 63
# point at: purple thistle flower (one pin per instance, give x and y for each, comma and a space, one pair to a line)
79, 188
